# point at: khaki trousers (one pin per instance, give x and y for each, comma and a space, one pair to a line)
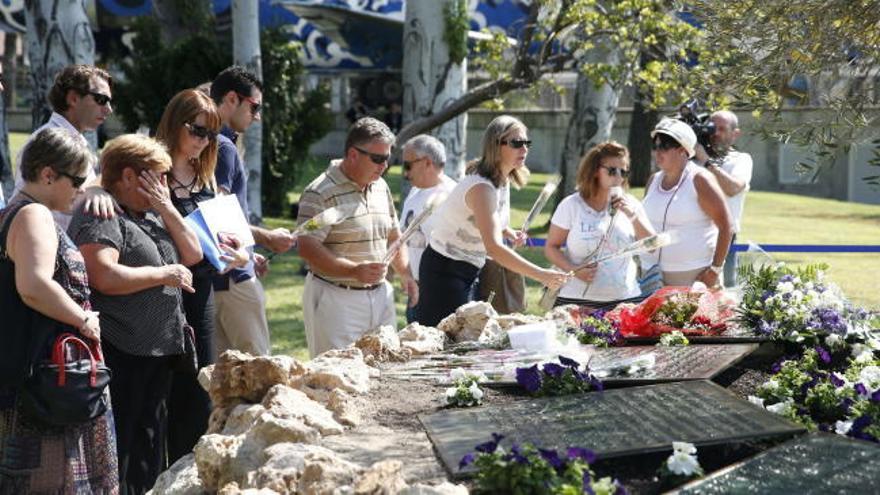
241, 318
335, 317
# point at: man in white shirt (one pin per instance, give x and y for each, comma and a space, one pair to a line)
80, 98
423, 159
733, 169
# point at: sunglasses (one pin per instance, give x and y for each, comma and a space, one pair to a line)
199, 131
407, 165
75, 180
517, 143
374, 157
664, 144
256, 106
616, 172
100, 98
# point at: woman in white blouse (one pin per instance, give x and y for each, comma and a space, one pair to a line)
597, 219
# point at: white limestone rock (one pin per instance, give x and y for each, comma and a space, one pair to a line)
213, 455
445, 488
420, 339
182, 478
382, 344
344, 369
303, 468
238, 376
284, 402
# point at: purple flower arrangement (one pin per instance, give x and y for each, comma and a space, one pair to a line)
552, 379
527, 469
597, 330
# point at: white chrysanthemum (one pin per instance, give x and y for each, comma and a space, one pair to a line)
685, 447
862, 353
450, 393
479, 376
870, 377
756, 400
683, 464
770, 385
475, 391
842, 427
833, 340
457, 374
780, 408
784, 287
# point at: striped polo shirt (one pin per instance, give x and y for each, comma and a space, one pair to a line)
364, 235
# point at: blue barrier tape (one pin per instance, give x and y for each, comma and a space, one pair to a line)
774, 248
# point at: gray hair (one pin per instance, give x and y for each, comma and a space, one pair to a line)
367, 130
57, 148
426, 146
729, 116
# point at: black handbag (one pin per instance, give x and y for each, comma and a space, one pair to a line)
69, 387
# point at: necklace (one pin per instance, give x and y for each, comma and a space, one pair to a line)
181, 185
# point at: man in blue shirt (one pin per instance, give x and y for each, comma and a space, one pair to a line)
240, 302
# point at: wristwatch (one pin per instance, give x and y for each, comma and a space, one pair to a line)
716, 269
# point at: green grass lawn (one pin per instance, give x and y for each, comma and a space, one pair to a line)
770, 218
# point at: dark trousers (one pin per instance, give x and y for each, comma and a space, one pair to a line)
445, 285
188, 403
138, 391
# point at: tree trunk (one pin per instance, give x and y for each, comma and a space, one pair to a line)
592, 118
432, 81
7, 182
179, 19
246, 43
58, 34
639, 141
10, 68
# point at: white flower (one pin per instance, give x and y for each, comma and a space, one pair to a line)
780, 408
833, 340
684, 447
870, 377
450, 392
862, 353
756, 400
479, 376
770, 385
842, 427
784, 287
457, 374
475, 391
683, 464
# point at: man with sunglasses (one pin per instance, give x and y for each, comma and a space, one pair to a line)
239, 299
423, 160
733, 169
346, 292
81, 101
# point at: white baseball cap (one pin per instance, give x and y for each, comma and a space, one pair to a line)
679, 131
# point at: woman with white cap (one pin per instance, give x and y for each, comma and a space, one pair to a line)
685, 198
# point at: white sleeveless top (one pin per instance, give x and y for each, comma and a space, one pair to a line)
696, 232
454, 234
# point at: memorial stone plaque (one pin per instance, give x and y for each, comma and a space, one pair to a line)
812, 464
692, 362
612, 423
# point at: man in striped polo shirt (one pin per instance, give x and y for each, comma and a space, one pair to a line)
346, 292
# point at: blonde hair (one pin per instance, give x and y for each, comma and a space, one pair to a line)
183, 109
489, 164
133, 151
588, 170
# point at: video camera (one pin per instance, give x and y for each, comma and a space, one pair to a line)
704, 128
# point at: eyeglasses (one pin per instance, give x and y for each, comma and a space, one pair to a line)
100, 98
407, 165
664, 144
75, 180
256, 106
374, 157
199, 131
616, 172
516, 143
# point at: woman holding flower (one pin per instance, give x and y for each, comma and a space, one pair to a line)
468, 229
597, 219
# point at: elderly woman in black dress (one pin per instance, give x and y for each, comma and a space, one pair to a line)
137, 267
50, 278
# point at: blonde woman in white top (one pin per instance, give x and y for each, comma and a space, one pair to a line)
685, 198
467, 228
598, 219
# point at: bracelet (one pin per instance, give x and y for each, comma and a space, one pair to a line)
89, 315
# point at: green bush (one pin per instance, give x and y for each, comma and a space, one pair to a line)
154, 73
293, 119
